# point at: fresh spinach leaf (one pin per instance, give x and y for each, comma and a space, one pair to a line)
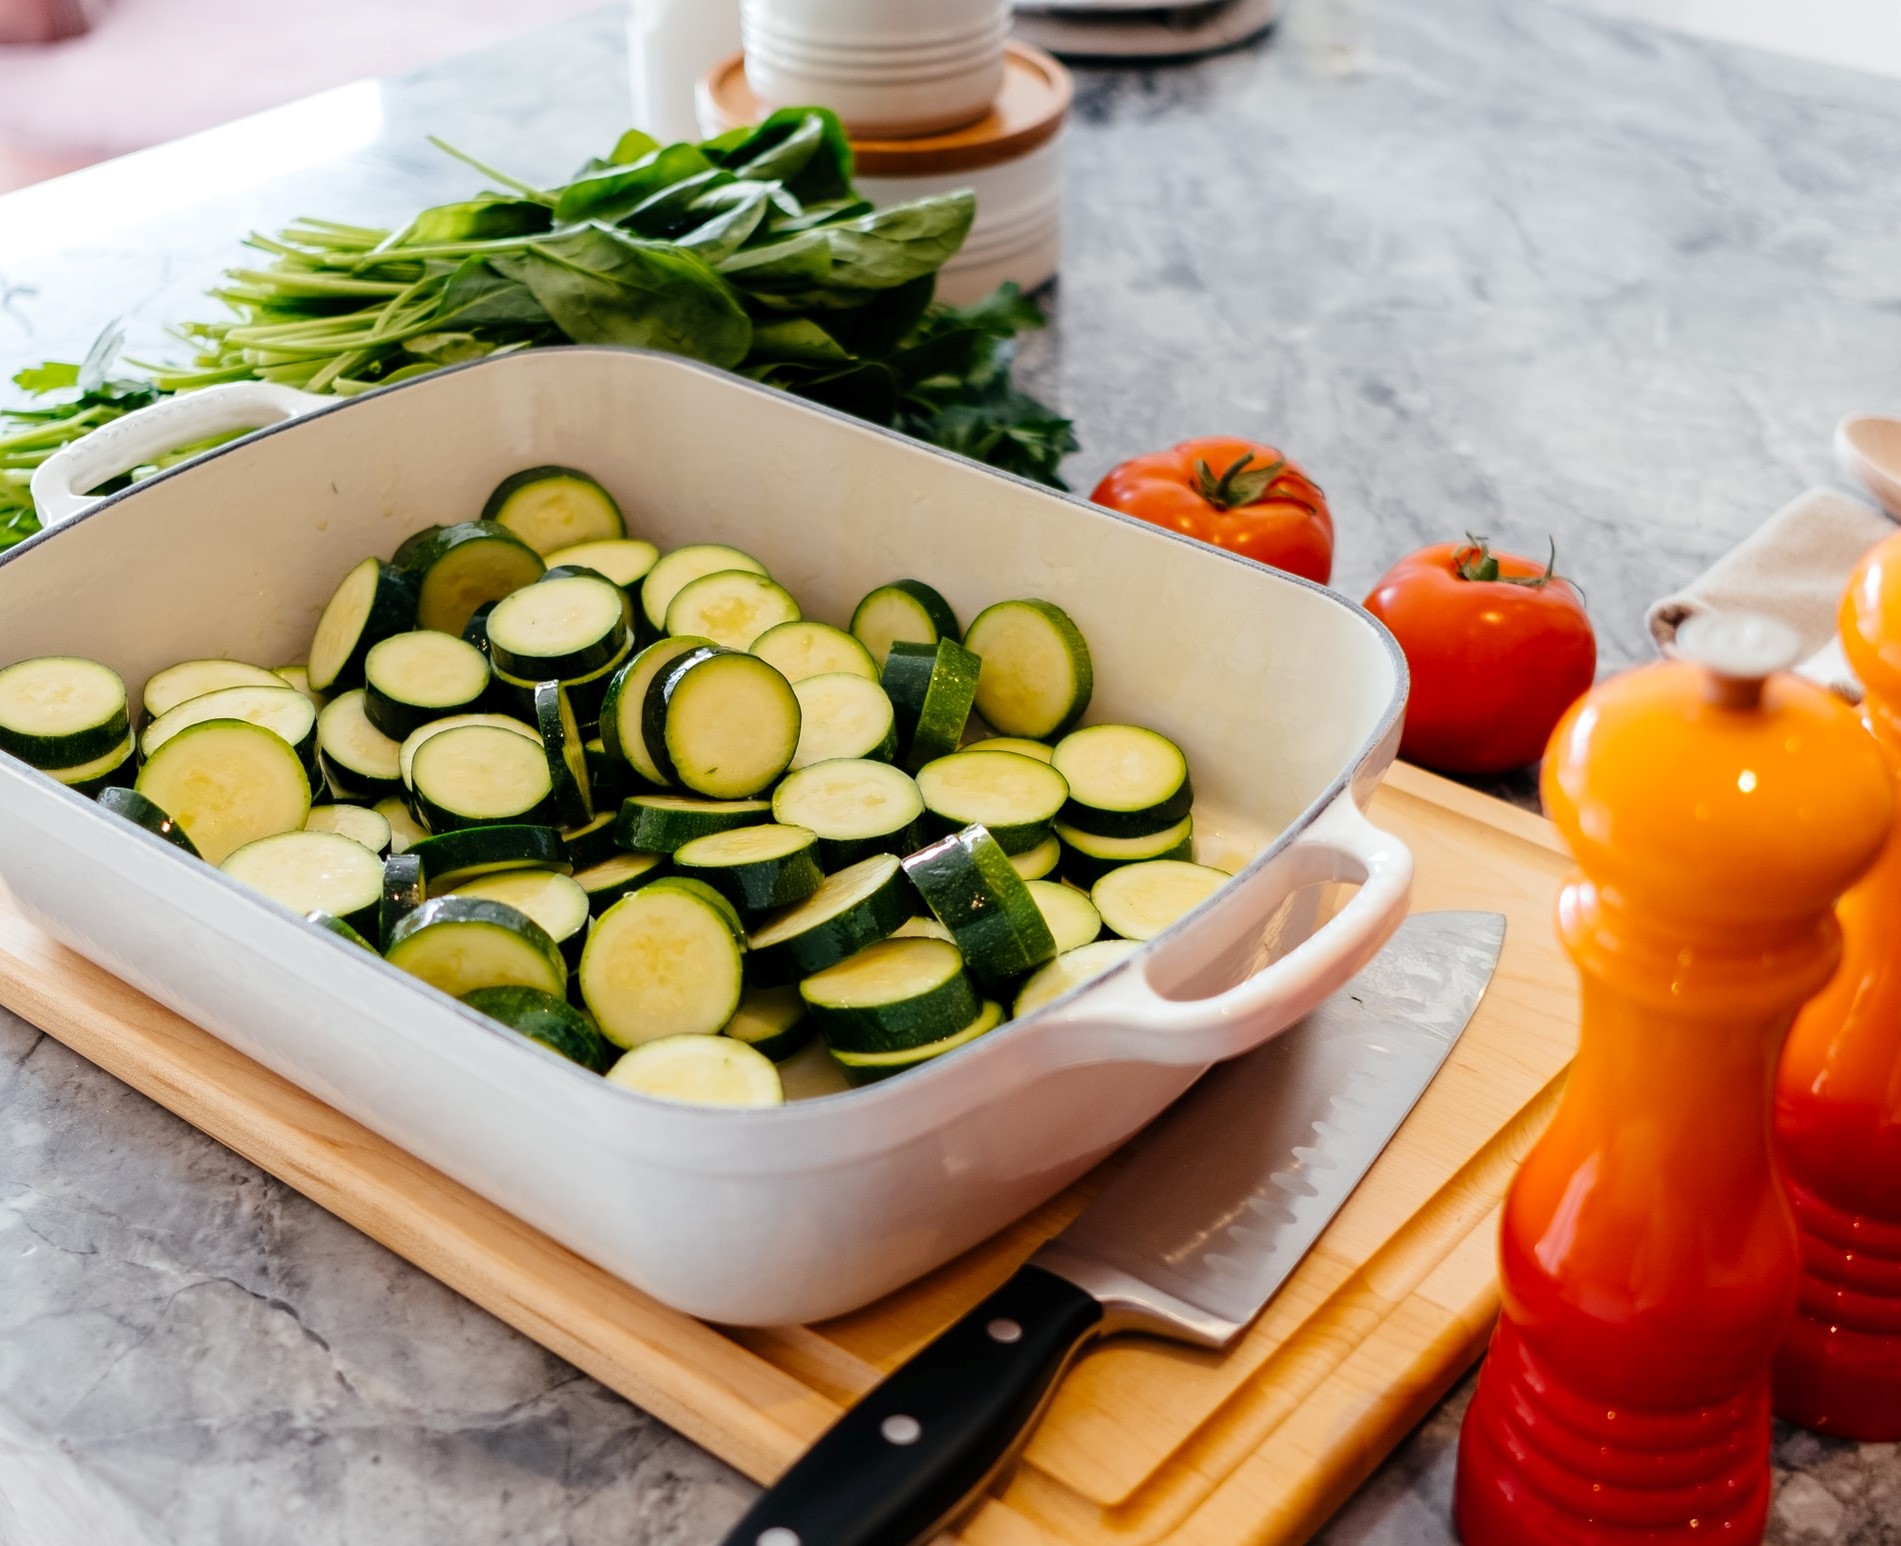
895, 245
475, 220
613, 194
806, 148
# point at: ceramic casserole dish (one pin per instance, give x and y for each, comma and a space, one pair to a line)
1287, 699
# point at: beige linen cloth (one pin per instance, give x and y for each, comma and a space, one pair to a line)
1794, 567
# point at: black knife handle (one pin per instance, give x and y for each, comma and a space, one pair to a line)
901, 1464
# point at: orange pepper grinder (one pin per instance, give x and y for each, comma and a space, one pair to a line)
1838, 1100
1717, 809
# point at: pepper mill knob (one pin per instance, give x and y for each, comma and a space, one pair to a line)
1740, 650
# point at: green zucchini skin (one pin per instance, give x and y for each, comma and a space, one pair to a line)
611, 779
593, 842
692, 675
587, 655
932, 688
1088, 857
937, 619
442, 605
942, 1008
571, 797
141, 812
83, 744
1081, 754
462, 855
586, 694
667, 881
759, 885
403, 892
617, 876
399, 719
392, 610
508, 499
968, 882
863, 1068
330, 923
774, 961
661, 824
542, 1018
531, 940
475, 631
115, 770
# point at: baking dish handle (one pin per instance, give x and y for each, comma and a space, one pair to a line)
61, 485
1128, 1020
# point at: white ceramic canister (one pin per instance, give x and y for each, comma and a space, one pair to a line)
1012, 159
888, 68
671, 44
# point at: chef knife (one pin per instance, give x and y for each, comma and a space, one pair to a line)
1215, 1205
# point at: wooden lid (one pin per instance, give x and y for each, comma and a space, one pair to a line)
1028, 112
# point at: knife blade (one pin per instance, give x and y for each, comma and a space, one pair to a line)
1215, 1205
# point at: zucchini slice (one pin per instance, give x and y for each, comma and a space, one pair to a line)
1036, 677
342, 930
661, 962
673, 572
572, 795
461, 943
297, 677
623, 560
905, 610
1138, 901
555, 901
932, 687
475, 630
112, 771
1039, 861
661, 823
1071, 970
842, 714
459, 567
893, 995
708, 895
1072, 916
322, 872
413, 678
772, 1021
165, 690
593, 841
282, 710
585, 693
227, 783
559, 629
413, 742
1042, 751
373, 601
700, 1071
802, 649
721, 723
554, 507
857, 808
1015, 797
924, 927
454, 858
610, 880
405, 832
405, 888
359, 761
623, 733
732, 607
141, 812
357, 822
479, 776
541, 1017
869, 1067
1124, 781
1088, 857
611, 779
968, 882
755, 868
856, 907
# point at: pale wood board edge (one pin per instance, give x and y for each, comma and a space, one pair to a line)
1482, 808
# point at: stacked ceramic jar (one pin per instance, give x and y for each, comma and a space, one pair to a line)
936, 97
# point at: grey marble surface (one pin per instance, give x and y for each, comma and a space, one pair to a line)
1479, 264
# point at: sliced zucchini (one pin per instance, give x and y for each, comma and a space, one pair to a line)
968, 882
700, 1071
141, 812
342, 930
475, 630
558, 630
585, 693
922, 928
454, 858
166, 689
610, 880
1071, 970
708, 895
611, 779
625, 561
1088, 857
405, 888
459, 567
622, 731
479, 776
896, 994
869, 1067
660, 823
555, 901
721, 723
541, 1017
572, 796
1138, 901
1124, 781
461, 943
1072, 916
1036, 675
932, 687
413, 678
856, 907
905, 610
554, 507
1015, 797
413, 742
593, 841
772, 1021
661, 962
112, 771
802, 649
755, 868
857, 808
842, 714
732, 607
673, 572
374, 601
1039, 861
312, 872
227, 782
405, 832
359, 761
284, 711
299, 678
357, 822
1042, 751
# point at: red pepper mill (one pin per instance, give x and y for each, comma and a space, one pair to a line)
1838, 1100
1717, 810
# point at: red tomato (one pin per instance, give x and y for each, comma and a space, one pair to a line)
1499, 648
1236, 494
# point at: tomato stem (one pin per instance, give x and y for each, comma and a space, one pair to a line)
1239, 485
1475, 561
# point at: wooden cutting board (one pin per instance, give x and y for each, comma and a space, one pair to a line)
1146, 1441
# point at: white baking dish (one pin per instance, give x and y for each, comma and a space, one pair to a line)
1287, 698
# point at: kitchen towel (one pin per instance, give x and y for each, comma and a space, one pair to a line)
1795, 567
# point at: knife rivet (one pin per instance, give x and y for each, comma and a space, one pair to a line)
901, 1429
1004, 1330
778, 1535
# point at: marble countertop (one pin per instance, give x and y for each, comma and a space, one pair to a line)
1481, 265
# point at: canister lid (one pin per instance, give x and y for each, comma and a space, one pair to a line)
1029, 111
